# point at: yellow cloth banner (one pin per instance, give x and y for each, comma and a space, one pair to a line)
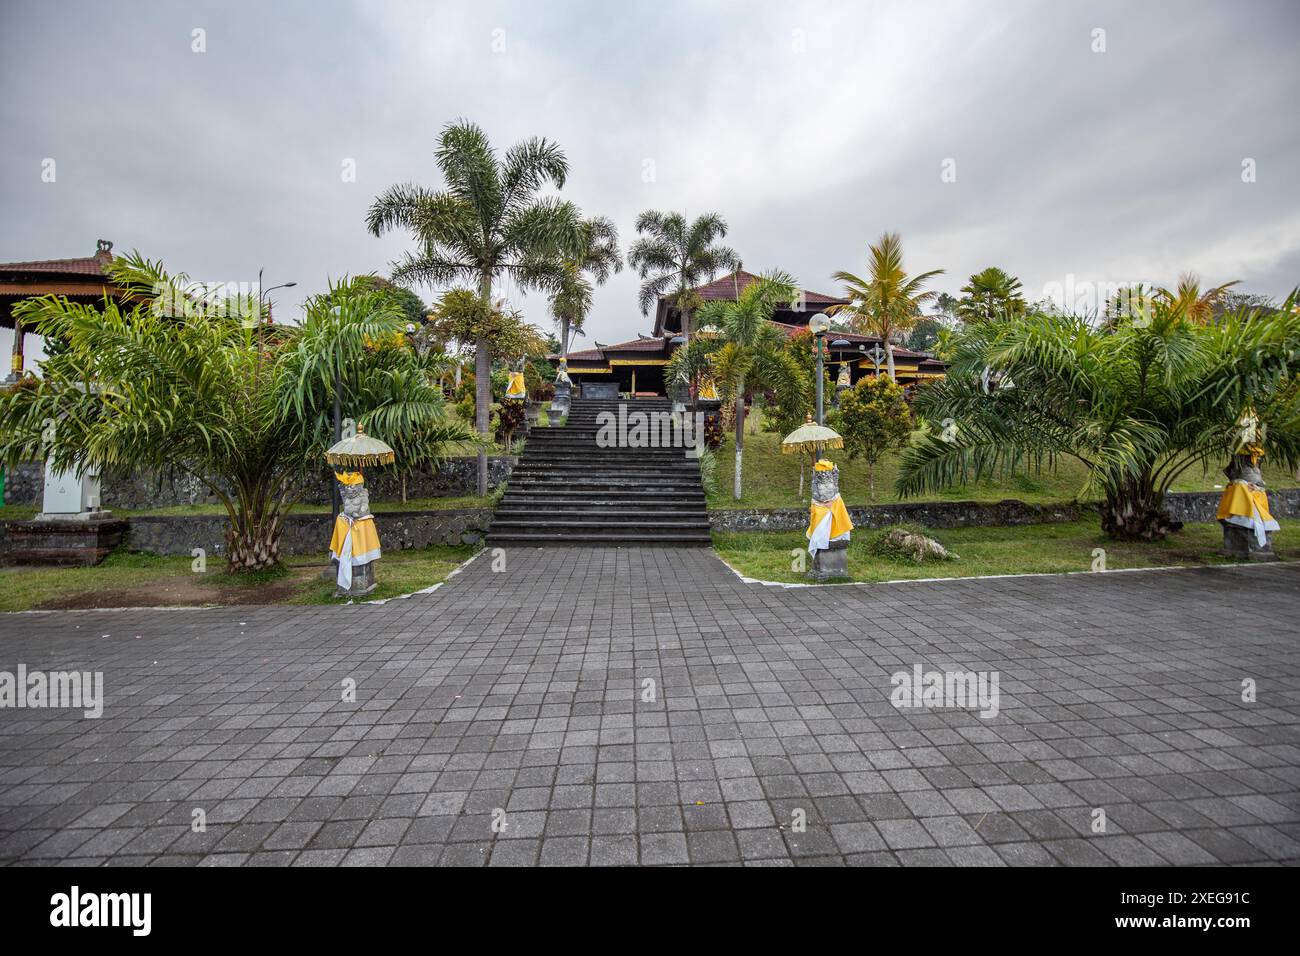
709, 391
516, 388
365, 538
1243, 500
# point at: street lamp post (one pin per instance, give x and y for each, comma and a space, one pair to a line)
818, 325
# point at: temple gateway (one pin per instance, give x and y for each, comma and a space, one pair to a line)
636, 368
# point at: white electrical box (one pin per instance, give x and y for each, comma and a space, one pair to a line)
69, 496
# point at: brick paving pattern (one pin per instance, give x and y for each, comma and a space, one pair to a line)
517, 697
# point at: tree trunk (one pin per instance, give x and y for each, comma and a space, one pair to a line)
740, 434
253, 545
1135, 512
564, 336
483, 387
871, 479
889, 359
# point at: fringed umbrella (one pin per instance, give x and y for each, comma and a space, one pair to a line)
810, 438
360, 451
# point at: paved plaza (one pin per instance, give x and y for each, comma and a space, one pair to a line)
646, 706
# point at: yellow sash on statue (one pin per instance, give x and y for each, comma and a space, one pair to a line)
1243, 499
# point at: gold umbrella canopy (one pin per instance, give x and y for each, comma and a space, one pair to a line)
809, 437
360, 451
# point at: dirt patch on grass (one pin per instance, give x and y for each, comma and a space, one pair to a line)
190, 591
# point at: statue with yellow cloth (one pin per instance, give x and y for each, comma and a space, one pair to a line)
829, 525
355, 542
1248, 525
843, 383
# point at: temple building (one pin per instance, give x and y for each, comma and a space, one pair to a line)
636, 367
81, 280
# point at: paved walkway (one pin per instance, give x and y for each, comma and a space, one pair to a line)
516, 697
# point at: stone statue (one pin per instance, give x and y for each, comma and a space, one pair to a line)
829, 525
1243, 511
843, 383
355, 544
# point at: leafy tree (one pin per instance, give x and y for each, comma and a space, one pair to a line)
873, 419
592, 266
749, 350
991, 294
1138, 403
673, 257
946, 305
244, 408
488, 221
463, 316
925, 333
888, 301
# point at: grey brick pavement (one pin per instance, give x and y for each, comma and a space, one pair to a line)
517, 696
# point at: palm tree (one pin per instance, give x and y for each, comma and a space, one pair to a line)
673, 257
1188, 300
246, 412
488, 221
597, 260
991, 294
890, 300
748, 350
1139, 403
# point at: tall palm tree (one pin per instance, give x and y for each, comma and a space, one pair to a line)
889, 300
594, 263
1187, 299
991, 294
488, 221
749, 349
673, 257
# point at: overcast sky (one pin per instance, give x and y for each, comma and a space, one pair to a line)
811, 127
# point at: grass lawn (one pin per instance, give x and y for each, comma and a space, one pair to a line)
771, 479
141, 580
1025, 549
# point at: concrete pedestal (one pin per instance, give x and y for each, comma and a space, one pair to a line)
1241, 543
363, 582
80, 542
831, 562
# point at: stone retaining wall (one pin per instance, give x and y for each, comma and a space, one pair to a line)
456, 477
309, 533
1184, 506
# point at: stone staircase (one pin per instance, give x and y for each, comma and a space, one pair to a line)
566, 490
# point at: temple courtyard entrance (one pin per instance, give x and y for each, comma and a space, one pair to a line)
647, 706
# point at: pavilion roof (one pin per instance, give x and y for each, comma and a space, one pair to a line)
95, 266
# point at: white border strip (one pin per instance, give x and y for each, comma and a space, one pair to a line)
993, 577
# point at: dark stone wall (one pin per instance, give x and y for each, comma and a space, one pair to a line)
456, 477
24, 484
1184, 506
308, 533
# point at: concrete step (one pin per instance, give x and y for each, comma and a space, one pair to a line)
601, 539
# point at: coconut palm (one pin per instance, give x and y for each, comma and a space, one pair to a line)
888, 301
488, 221
1139, 403
243, 408
673, 257
1188, 300
748, 349
592, 266
991, 294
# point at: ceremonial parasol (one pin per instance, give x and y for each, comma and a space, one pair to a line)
360, 451
810, 438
